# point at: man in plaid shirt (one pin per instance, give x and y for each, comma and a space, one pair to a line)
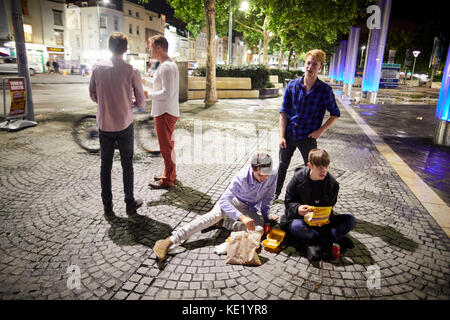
304, 104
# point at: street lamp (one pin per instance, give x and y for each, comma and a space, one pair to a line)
105, 2
362, 53
415, 54
244, 7
230, 35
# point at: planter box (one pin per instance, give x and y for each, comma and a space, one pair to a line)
269, 93
222, 83
225, 94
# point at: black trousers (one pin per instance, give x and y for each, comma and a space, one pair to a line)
125, 141
304, 146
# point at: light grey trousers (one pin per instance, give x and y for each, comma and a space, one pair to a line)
214, 216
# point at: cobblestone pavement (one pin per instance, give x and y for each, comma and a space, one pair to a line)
52, 218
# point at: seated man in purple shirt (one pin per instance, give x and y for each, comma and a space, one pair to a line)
112, 84
253, 187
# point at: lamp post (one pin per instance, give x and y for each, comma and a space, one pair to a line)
416, 54
230, 35
362, 53
244, 7
98, 16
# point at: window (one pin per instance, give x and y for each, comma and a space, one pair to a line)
59, 37
103, 21
150, 18
130, 29
116, 23
137, 30
137, 14
57, 17
129, 12
28, 31
103, 41
90, 21
24, 7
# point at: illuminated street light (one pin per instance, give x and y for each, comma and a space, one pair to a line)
362, 53
415, 54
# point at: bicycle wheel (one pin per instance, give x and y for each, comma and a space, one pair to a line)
85, 133
146, 136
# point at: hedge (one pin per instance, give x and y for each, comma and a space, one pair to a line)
259, 74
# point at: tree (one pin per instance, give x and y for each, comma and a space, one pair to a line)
198, 14
304, 23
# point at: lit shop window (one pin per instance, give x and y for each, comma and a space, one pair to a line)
59, 37
28, 31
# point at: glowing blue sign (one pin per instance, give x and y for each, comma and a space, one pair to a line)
375, 51
443, 105
352, 54
341, 63
331, 67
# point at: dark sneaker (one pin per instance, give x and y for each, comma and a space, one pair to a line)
346, 243
108, 209
312, 252
134, 206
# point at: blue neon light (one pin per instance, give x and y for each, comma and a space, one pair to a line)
342, 57
352, 54
331, 68
443, 105
375, 53
336, 63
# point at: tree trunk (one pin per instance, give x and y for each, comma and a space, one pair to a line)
210, 14
280, 58
289, 59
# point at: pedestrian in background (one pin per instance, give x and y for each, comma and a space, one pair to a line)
55, 66
304, 104
49, 66
165, 108
112, 85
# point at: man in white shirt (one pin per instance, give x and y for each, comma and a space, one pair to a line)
165, 108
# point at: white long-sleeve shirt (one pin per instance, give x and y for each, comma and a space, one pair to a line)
164, 95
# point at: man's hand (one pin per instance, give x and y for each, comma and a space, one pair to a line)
303, 209
273, 217
282, 143
248, 222
315, 134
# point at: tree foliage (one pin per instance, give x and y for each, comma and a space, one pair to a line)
299, 25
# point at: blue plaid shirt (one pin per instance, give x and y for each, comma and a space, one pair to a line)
305, 111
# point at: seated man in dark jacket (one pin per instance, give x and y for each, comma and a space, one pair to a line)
314, 186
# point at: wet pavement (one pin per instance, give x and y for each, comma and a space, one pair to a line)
52, 220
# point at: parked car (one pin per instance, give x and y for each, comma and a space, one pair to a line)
8, 65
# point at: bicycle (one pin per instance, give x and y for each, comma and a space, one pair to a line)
86, 135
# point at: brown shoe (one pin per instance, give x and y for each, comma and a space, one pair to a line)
161, 247
158, 185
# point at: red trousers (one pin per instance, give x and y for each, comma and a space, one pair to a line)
165, 125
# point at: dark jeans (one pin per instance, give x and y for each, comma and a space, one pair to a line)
304, 146
326, 235
125, 141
